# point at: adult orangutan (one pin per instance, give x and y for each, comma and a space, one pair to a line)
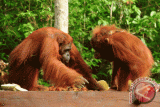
130, 56
53, 51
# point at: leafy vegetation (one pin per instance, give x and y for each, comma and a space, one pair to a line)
141, 18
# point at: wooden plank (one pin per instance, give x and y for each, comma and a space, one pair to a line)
70, 99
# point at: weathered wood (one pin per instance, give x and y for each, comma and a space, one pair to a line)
70, 99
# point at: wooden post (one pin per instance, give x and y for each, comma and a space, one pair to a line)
61, 15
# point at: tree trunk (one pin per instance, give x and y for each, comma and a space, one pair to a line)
61, 15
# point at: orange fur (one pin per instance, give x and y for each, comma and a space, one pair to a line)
131, 58
78, 64
41, 50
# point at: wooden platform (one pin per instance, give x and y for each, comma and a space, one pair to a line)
70, 99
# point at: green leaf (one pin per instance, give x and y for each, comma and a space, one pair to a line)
137, 10
153, 13
143, 40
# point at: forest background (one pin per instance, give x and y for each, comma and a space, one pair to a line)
19, 18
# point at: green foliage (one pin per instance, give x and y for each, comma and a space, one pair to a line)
85, 15
104, 71
141, 18
42, 82
19, 19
